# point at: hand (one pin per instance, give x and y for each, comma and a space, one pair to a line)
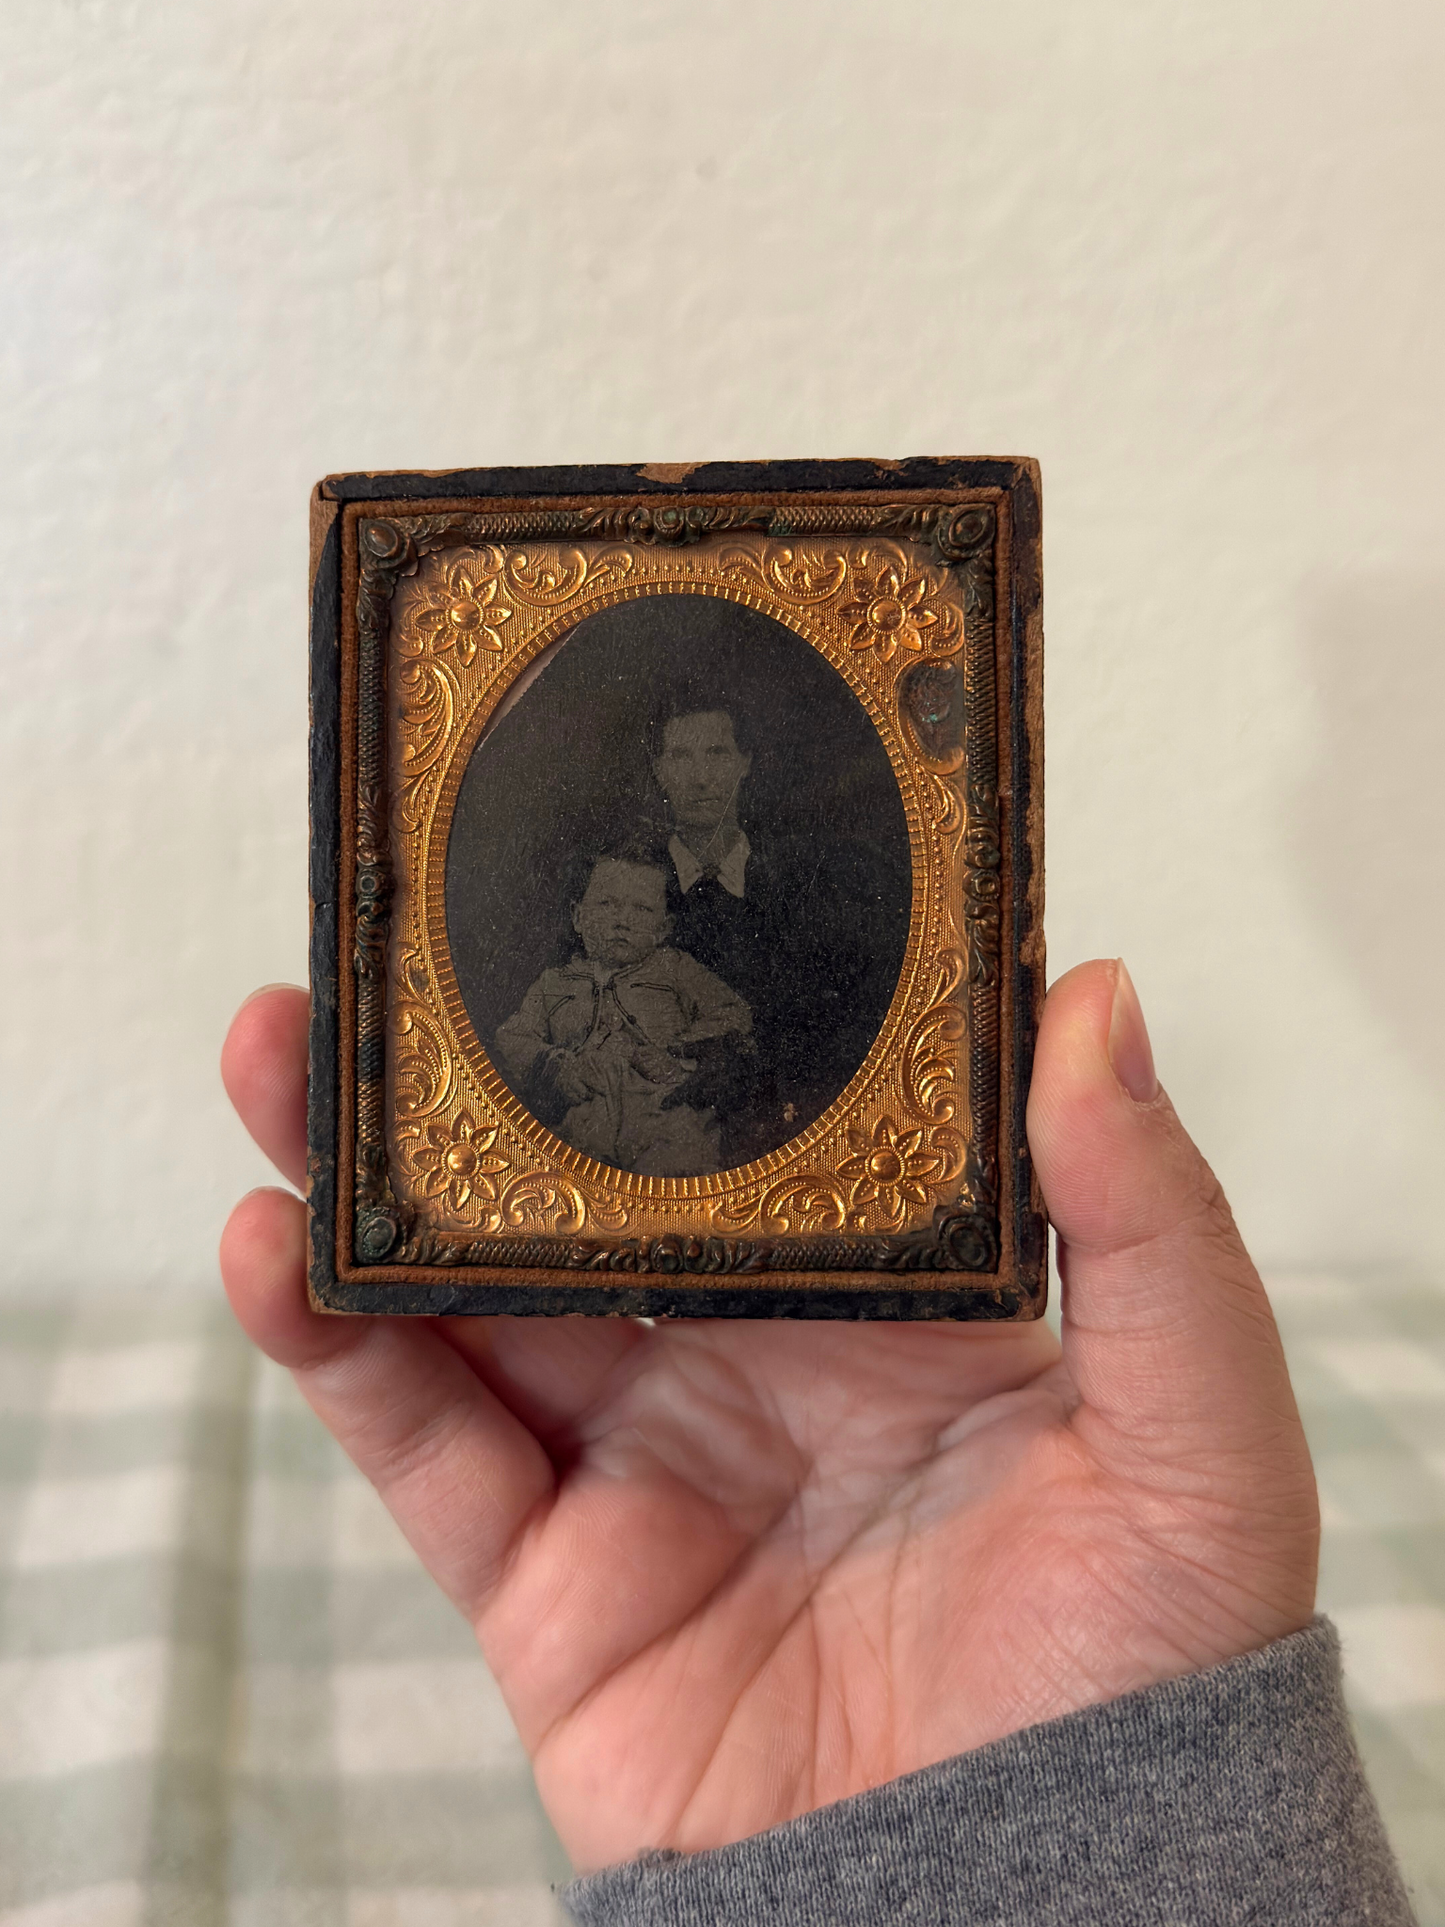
727, 1572
659, 1066
565, 1073
723, 1077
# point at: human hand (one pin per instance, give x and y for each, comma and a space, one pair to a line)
564, 1069
726, 1572
721, 1075
660, 1066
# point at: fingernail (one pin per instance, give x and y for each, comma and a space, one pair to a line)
266, 989
1129, 1049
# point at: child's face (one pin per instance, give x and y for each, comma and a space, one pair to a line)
622, 917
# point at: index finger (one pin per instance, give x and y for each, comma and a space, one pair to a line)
263, 1067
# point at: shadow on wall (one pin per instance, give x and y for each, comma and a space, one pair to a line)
1369, 836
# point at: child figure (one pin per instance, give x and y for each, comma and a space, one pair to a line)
608, 1034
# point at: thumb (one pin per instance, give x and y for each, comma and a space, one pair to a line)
1168, 1333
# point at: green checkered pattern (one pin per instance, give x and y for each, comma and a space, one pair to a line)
227, 1691
227, 1694
1368, 1360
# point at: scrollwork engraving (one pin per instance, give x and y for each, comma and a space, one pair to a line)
930, 1055
548, 585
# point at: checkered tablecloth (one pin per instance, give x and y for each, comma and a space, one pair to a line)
227, 1694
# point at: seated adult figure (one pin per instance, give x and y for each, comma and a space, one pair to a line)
796, 916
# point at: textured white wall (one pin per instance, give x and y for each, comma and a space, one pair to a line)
1191, 257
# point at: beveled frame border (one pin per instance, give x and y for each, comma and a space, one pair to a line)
981, 518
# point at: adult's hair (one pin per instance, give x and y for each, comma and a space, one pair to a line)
692, 699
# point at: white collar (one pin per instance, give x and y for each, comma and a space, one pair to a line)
730, 870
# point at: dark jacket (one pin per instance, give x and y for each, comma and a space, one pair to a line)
814, 947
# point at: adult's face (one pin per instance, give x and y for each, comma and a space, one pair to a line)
701, 768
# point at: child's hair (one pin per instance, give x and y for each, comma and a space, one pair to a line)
640, 855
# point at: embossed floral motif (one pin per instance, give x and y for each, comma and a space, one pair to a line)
888, 1169
456, 1162
886, 612
462, 610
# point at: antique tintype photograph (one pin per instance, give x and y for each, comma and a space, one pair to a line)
677, 864
678, 887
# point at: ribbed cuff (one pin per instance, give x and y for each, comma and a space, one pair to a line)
1230, 1796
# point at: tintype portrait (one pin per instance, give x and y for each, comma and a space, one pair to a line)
678, 886
676, 870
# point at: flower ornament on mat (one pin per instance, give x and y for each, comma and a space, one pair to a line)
885, 613
889, 1169
456, 1162
462, 610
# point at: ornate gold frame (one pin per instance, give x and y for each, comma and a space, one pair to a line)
444, 606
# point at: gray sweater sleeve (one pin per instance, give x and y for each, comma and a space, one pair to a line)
1232, 1796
